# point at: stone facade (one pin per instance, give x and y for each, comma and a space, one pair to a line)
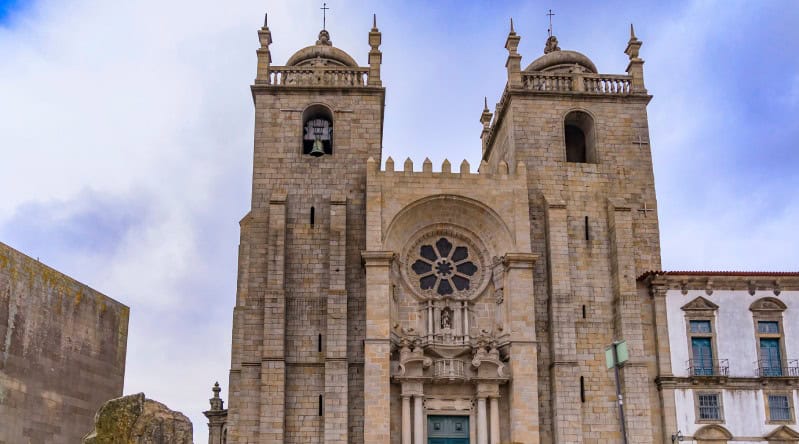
62, 352
392, 305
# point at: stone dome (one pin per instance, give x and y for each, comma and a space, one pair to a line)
557, 60
323, 53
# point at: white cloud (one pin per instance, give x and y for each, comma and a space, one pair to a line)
146, 105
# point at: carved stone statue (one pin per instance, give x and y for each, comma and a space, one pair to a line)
446, 318
551, 45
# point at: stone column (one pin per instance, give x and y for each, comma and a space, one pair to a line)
377, 348
494, 420
418, 420
406, 419
482, 422
667, 403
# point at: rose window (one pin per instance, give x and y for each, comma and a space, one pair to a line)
444, 269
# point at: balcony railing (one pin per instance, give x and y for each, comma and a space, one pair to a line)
769, 369
708, 367
448, 369
318, 76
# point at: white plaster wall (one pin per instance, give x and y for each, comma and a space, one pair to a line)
735, 331
744, 413
744, 410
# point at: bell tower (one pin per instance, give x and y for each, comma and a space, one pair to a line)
583, 137
297, 358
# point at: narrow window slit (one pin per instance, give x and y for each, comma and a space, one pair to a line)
313, 216
587, 229
582, 388
321, 400
319, 343
583, 311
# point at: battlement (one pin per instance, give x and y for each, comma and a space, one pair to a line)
484, 171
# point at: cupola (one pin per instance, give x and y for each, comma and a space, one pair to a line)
323, 53
557, 60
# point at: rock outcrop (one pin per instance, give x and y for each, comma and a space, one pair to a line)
134, 419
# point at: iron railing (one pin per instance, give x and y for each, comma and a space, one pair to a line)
708, 367
767, 368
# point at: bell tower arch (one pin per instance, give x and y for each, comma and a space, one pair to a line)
297, 358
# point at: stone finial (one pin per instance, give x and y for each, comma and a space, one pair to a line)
514, 61
446, 167
635, 68
465, 167
483, 169
427, 166
216, 401
408, 166
389, 165
371, 165
375, 56
485, 119
263, 53
633, 45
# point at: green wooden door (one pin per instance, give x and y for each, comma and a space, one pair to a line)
447, 430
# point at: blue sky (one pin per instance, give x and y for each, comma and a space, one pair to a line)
126, 137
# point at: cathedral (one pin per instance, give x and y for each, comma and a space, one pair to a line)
387, 303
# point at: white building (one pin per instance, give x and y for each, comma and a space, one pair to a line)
727, 350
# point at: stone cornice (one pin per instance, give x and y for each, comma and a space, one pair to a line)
775, 282
731, 383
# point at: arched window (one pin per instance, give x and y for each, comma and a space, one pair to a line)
578, 130
317, 131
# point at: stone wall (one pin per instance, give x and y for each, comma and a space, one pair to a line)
62, 352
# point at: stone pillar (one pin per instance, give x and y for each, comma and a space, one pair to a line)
406, 419
377, 348
564, 370
522, 347
627, 322
482, 421
336, 397
418, 420
494, 420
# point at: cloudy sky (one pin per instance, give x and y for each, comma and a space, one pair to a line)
126, 137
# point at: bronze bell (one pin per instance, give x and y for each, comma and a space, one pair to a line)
318, 149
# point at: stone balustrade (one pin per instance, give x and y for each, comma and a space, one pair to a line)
607, 84
577, 83
449, 369
318, 76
